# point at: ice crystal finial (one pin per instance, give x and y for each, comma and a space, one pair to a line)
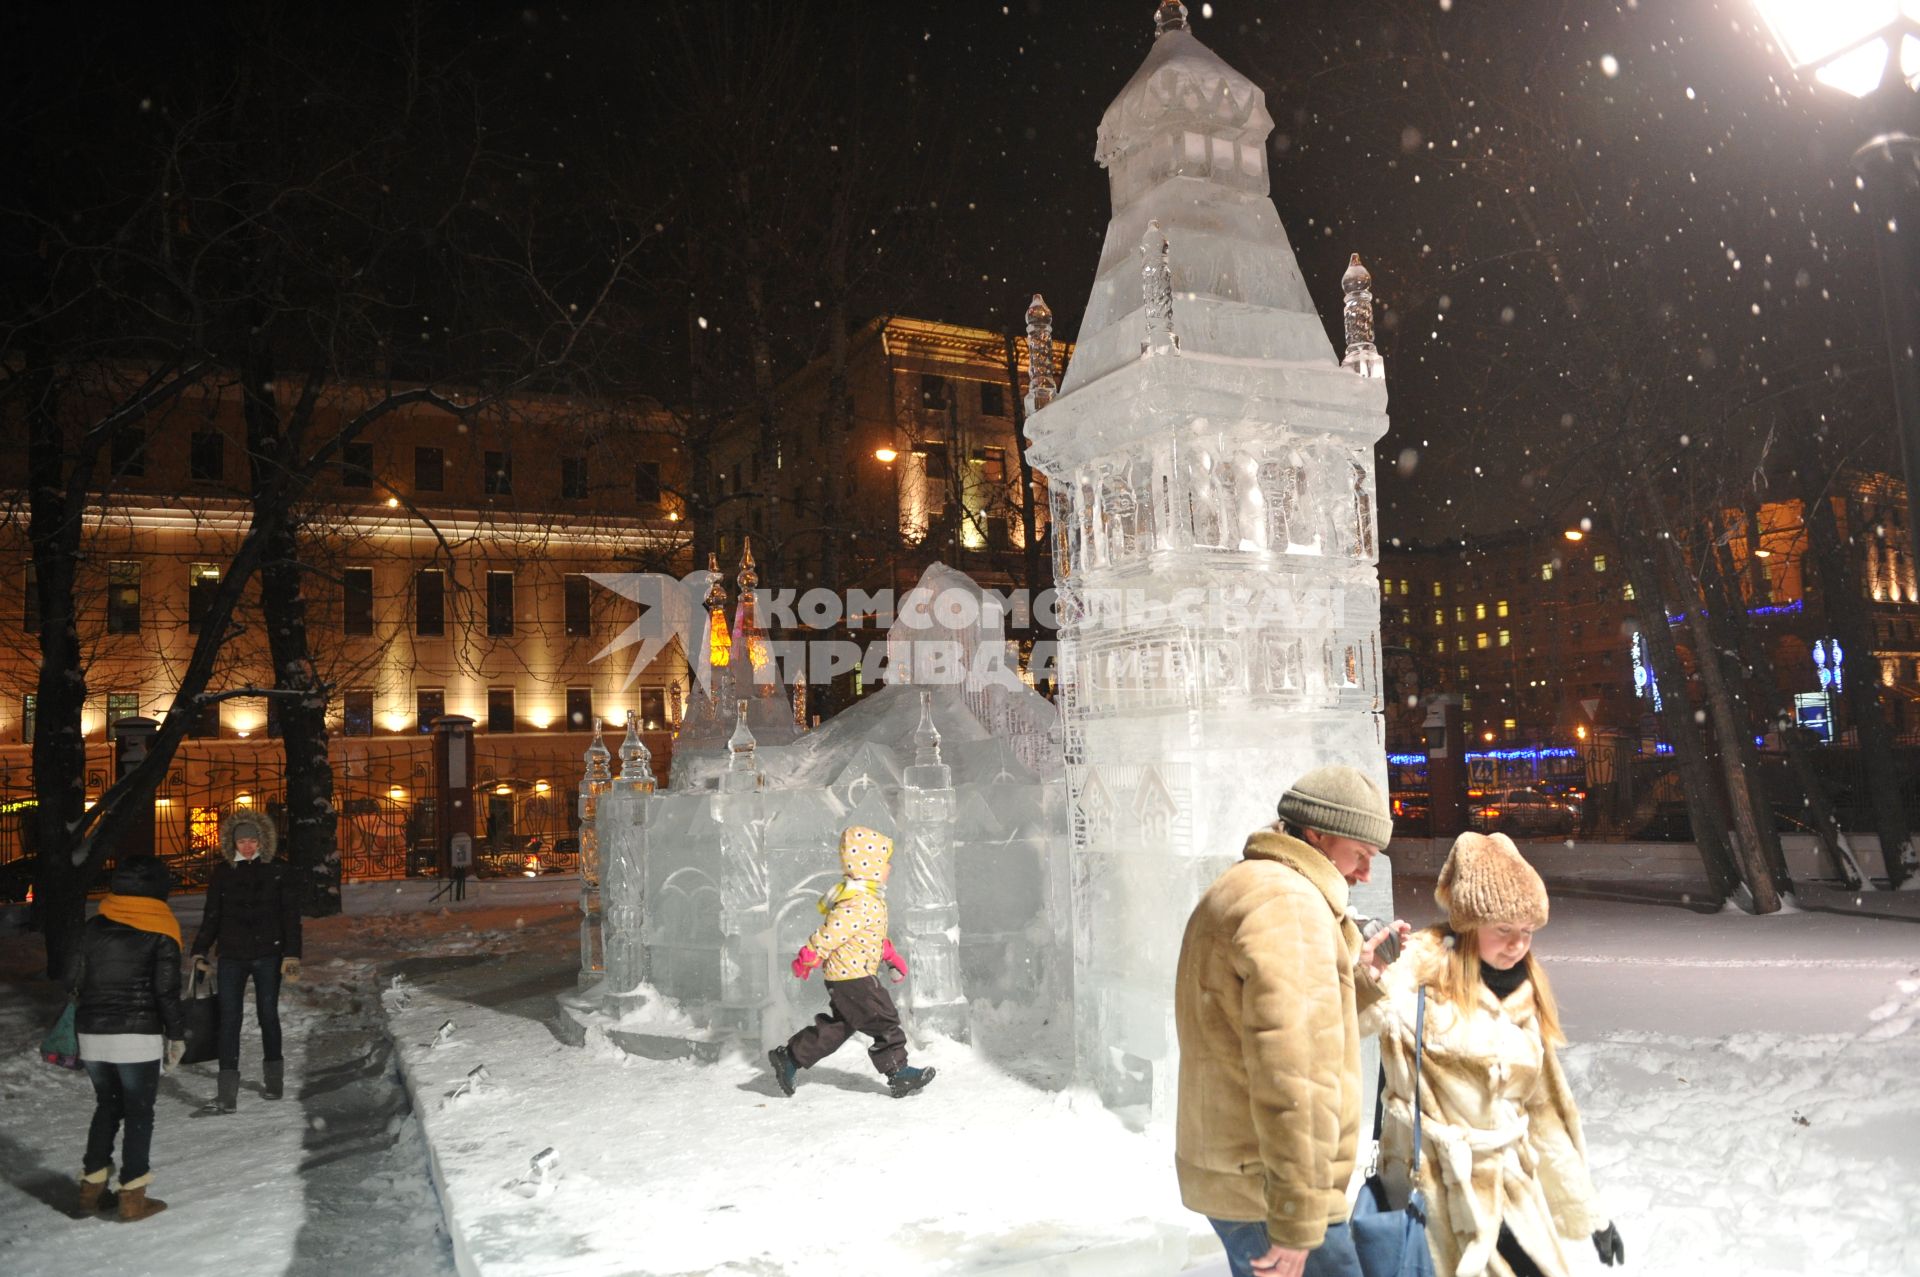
926, 737
1041, 386
1156, 289
741, 744
636, 760
599, 759
749, 576
1170, 16
1362, 357
716, 584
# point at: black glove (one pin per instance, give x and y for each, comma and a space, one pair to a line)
1612, 1249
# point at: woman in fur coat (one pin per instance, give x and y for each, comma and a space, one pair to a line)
1503, 1164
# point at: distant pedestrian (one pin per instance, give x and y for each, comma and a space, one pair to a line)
461, 857
1272, 973
1503, 1162
252, 927
852, 943
128, 988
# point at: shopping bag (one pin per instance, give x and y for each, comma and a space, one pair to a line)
201, 1011
62, 1044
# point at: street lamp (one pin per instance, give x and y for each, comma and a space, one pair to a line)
1871, 50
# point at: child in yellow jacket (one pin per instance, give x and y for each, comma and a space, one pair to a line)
852, 943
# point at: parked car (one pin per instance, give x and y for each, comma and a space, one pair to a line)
1523, 811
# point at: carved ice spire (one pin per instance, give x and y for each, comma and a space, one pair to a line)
1041, 386
1156, 288
1361, 355
1170, 16
636, 760
740, 745
599, 758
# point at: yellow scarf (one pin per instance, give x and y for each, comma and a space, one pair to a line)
845, 888
142, 912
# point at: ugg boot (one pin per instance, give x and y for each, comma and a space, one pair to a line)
134, 1202
229, 1097
276, 1078
94, 1193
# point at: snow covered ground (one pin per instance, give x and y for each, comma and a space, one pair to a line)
1747, 1084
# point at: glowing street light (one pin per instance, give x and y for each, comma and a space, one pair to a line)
1575, 534
1851, 45
885, 456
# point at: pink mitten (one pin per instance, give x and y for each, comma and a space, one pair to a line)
804, 962
891, 956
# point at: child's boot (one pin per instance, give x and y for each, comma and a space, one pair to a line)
904, 1081
784, 1069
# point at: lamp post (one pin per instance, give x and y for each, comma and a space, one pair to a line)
1870, 49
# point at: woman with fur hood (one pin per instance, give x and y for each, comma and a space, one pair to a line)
252, 928
1503, 1163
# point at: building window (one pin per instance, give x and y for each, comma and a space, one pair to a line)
130, 452
1599, 563
573, 478
30, 601
1500, 608
1463, 673
1403, 587
1546, 571
356, 609
429, 703
579, 709
206, 722
430, 602
646, 483
1506, 638
993, 464
29, 710
1436, 589
357, 720
499, 604
1480, 639
1459, 614
1509, 724
356, 465
579, 605
1626, 592
1439, 616
1459, 642
203, 828
207, 456
499, 476
653, 708
122, 705
993, 399
500, 709
1479, 611
203, 580
429, 470
933, 391
123, 598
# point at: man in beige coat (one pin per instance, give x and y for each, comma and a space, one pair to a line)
1266, 1003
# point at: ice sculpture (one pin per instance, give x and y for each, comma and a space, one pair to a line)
711, 882
593, 787
1213, 507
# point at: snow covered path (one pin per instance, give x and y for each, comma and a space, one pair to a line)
1747, 1084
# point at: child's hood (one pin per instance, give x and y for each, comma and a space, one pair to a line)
864, 852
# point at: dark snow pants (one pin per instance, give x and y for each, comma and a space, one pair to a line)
123, 1096
857, 1006
234, 973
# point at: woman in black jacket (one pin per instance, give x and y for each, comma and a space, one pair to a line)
252, 923
128, 991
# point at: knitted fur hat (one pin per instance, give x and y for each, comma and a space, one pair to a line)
1486, 880
1342, 801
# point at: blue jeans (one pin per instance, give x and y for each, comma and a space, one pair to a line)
266, 1007
1246, 1242
122, 1097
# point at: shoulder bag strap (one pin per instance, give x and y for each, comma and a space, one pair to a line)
1419, 1039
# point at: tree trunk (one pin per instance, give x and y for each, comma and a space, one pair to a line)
1844, 603
1748, 847
1706, 812
312, 849
59, 749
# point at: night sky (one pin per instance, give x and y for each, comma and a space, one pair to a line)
1595, 229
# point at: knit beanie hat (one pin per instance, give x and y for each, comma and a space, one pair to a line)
1486, 880
1339, 800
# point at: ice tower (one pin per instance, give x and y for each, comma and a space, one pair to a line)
1211, 467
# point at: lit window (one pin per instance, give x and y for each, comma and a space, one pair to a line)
203, 828
1500, 608
1479, 611
1459, 642
1599, 563
1626, 591
1480, 639
1436, 589
1508, 723
1403, 587
1459, 613
1463, 673
1546, 571
202, 580
1506, 638
1439, 616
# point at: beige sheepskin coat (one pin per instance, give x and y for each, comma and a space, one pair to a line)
1501, 1135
